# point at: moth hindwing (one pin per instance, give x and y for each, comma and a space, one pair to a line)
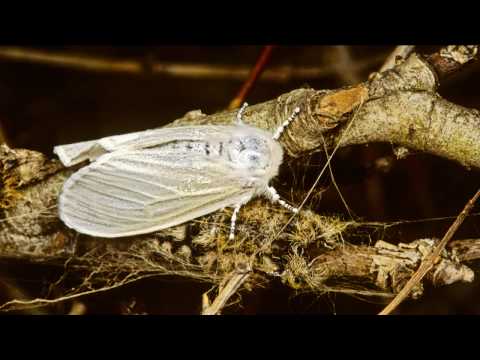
146, 181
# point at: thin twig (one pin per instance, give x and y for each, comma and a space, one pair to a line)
70, 61
332, 177
400, 51
236, 280
13, 291
282, 73
317, 180
252, 78
431, 259
39, 302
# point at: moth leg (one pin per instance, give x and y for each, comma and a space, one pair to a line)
282, 127
240, 113
234, 220
274, 197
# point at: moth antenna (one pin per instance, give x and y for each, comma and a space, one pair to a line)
234, 220
240, 113
282, 127
276, 199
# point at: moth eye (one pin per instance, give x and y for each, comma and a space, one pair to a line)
253, 157
255, 160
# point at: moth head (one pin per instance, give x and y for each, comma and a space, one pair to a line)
255, 151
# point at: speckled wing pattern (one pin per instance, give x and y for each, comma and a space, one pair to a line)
149, 184
75, 153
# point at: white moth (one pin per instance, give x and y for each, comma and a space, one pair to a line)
146, 181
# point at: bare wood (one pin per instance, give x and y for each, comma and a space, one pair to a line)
236, 280
431, 259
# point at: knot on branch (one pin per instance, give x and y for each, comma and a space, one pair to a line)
411, 74
321, 112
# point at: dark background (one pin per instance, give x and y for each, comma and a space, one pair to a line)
42, 106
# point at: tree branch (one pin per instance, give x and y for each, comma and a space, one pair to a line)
399, 106
431, 259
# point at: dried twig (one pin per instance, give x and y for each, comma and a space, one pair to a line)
252, 78
70, 61
236, 280
431, 259
17, 304
282, 73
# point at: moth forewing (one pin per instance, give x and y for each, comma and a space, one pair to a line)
72, 154
146, 181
